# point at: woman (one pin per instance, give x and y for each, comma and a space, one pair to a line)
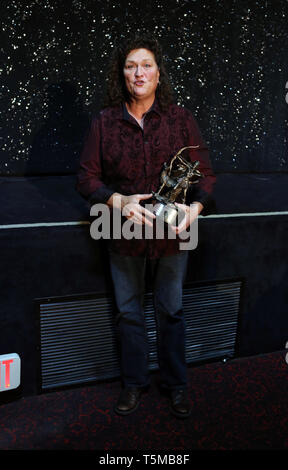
138, 130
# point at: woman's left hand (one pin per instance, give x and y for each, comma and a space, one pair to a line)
190, 214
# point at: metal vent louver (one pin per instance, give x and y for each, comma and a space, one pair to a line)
78, 338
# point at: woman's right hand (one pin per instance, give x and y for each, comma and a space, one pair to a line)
131, 208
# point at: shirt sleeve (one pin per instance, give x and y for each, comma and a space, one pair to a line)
89, 179
201, 191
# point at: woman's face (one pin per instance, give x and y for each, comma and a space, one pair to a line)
141, 74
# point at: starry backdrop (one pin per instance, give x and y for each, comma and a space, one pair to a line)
227, 61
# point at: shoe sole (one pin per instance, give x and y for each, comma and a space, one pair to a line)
128, 412
179, 415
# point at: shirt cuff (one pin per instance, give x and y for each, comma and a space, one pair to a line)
101, 195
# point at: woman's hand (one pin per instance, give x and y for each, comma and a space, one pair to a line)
190, 214
131, 208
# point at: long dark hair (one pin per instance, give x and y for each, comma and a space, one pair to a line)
116, 91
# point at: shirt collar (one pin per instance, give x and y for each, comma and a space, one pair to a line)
154, 108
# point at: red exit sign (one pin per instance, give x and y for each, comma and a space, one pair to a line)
10, 368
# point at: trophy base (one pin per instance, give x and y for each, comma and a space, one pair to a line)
169, 213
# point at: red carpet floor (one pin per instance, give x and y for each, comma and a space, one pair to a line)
239, 405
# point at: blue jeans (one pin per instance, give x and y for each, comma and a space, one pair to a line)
128, 274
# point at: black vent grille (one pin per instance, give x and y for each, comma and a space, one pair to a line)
78, 338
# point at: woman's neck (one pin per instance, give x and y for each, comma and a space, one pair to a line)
139, 107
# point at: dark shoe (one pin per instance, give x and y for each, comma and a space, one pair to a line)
128, 401
179, 403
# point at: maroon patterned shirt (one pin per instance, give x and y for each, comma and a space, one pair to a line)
119, 156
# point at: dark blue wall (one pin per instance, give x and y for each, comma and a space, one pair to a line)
51, 261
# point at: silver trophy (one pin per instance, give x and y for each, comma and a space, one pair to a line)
175, 179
